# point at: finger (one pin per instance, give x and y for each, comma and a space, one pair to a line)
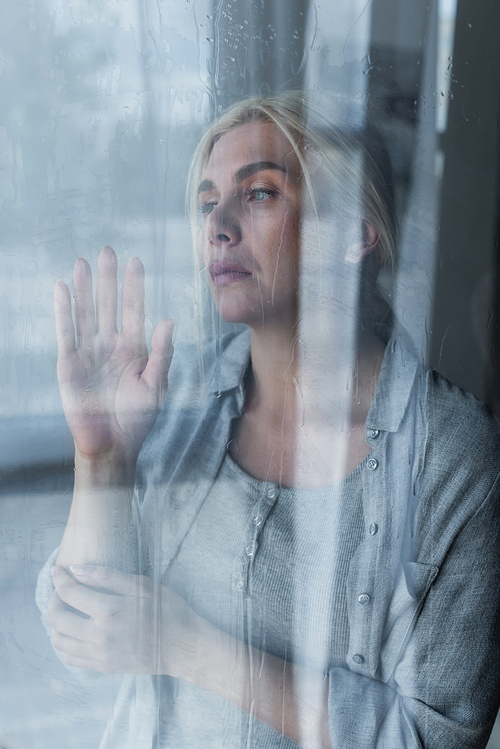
138, 586
106, 292
91, 602
133, 301
87, 663
156, 372
84, 300
67, 622
65, 330
70, 645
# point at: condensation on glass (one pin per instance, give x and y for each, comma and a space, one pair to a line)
309, 551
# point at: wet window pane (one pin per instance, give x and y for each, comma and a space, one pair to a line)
293, 536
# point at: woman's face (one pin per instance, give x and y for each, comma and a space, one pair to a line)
250, 199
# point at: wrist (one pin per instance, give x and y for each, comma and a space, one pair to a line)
114, 468
98, 530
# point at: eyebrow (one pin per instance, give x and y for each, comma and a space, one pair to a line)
246, 171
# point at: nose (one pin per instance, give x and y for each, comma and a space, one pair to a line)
224, 228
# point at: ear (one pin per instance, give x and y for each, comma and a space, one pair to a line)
357, 251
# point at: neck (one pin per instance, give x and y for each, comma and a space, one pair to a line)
322, 371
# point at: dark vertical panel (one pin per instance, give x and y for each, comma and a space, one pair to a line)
493, 373
397, 49
469, 200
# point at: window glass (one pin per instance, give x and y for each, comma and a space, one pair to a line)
317, 495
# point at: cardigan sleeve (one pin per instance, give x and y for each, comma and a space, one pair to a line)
444, 691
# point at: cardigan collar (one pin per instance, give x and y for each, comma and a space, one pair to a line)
397, 375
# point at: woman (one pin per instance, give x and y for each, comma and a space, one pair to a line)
317, 514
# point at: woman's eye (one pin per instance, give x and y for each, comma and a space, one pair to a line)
207, 207
258, 194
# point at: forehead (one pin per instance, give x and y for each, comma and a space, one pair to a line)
249, 144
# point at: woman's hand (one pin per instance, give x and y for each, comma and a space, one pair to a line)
120, 630
111, 392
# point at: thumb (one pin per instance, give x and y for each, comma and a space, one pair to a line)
156, 371
113, 580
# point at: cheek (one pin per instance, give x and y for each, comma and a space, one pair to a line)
286, 245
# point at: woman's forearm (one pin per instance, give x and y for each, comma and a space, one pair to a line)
98, 527
286, 697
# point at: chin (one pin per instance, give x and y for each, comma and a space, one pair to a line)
233, 314
235, 308
249, 310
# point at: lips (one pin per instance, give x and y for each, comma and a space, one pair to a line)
224, 271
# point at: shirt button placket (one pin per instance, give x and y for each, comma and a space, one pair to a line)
363, 599
270, 494
258, 524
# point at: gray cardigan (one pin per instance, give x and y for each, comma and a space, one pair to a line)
423, 663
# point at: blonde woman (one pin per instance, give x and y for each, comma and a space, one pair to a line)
309, 555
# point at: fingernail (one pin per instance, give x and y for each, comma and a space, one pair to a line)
81, 266
135, 264
108, 255
83, 570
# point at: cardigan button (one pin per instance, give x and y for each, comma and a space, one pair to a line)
357, 658
373, 529
363, 599
372, 464
373, 433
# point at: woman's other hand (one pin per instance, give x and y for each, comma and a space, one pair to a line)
111, 392
119, 629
